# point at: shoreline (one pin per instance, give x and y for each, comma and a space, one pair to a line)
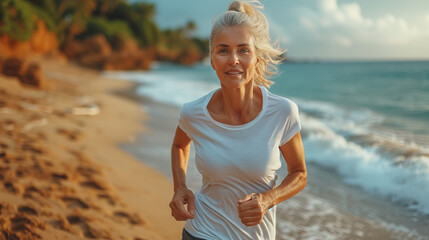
63, 175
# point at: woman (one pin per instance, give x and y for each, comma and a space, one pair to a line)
239, 132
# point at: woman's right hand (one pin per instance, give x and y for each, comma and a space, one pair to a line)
183, 197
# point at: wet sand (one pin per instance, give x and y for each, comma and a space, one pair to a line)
62, 175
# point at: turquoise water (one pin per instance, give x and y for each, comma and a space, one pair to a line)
398, 91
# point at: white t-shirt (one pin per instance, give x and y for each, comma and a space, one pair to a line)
236, 160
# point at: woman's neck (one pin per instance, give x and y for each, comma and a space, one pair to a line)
237, 100
240, 105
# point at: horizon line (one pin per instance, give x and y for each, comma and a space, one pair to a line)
314, 60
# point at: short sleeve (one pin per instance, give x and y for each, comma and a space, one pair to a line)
292, 124
183, 121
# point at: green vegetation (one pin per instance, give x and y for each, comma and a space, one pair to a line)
111, 29
115, 19
17, 18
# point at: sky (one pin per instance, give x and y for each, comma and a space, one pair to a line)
324, 29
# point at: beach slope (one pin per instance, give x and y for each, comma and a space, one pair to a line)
62, 175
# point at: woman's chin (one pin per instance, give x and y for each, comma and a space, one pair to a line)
235, 83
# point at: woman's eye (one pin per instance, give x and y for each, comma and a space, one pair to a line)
222, 51
244, 50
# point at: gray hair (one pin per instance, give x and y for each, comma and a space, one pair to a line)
248, 15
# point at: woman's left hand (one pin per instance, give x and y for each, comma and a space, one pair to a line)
252, 208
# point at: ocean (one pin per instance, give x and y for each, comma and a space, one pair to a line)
365, 129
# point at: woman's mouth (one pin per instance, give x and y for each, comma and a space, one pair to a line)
235, 72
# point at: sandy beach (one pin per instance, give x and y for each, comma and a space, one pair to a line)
62, 174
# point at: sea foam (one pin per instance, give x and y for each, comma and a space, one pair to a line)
378, 173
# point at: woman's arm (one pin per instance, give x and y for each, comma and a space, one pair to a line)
179, 163
253, 207
296, 179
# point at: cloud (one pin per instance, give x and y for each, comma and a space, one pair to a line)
334, 14
344, 24
342, 40
426, 17
278, 32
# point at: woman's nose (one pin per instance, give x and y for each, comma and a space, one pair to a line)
233, 59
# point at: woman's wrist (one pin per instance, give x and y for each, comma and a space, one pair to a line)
180, 187
267, 201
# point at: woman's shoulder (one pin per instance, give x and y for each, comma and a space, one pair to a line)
280, 101
197, 105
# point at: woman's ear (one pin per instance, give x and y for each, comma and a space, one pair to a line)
211, 63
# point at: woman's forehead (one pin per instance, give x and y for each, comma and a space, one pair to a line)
234, 36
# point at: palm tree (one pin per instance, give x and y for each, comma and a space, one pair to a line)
76, 13
18, 18
104, 7
189, 28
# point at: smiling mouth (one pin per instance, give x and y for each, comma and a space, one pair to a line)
233, 73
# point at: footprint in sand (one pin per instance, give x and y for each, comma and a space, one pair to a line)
87, 167
3, 172
75, 219
129, 218
33, 148
61, 223
13, 187
33, 192
88, 231
22, 227
72, 202
27, 210
81, 157
87, 171
94, 184
4, 146
111, 200
6, 156
73, 135
82, 223
59, 177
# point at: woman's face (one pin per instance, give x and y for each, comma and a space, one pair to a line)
233, 57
